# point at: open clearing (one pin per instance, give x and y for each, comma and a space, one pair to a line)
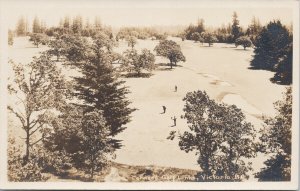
222, 71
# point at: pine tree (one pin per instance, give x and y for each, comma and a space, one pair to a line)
66, 23
100, 88
77, 24
270, 46
21, 27
284, 68
36, 26
235, 29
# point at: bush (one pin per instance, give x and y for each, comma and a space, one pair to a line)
18, 171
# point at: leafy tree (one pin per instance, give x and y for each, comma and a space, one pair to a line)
196, 37
220, 135
96, 141
209, 38
10, 38
83, 136
57, 46
243, 41
284, 68
277, 140
131, 40
270, 46
170, 50
182, 35
137, 62
38, 39
39, 88
21, 27
235, 29
99, 88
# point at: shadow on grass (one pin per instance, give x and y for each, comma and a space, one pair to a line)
166, 66
136, 75
246, 50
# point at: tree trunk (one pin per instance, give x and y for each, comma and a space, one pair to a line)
229, 160
26, 158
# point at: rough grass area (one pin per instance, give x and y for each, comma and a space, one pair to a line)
117, 172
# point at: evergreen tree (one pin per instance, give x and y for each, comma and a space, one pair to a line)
10, 38
99, 87
21, 27
66, 23
77, 24
36, 25
235, 29
270, 46
97, 23
284, 68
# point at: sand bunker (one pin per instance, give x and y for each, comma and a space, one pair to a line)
240, 102
215, 80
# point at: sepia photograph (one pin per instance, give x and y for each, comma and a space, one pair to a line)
132, 94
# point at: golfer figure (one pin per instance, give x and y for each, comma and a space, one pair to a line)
164, 108
175, 88
174, 119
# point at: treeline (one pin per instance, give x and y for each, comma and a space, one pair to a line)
273, 43
67, 25
224, 34
141, 33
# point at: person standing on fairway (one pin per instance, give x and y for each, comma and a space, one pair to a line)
175, 88
164, 108
174, 119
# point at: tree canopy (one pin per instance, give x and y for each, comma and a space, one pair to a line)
219, 134
171, 50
